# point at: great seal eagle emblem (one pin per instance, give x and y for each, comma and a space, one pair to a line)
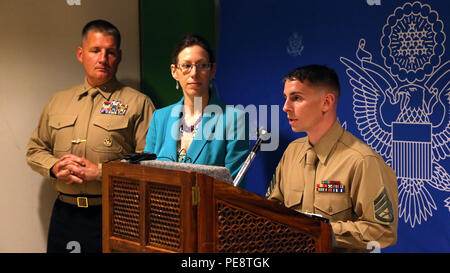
402, 107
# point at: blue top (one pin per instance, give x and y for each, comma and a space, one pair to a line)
221, 138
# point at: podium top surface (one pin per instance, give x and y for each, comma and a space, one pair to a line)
217, 172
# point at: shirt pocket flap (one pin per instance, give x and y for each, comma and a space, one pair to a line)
111, 123
61, 121
293, 198
332, 203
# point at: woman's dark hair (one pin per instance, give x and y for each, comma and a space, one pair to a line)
189, 40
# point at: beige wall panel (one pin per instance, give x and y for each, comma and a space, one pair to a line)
38, 41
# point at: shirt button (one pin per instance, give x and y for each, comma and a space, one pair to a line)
107, 142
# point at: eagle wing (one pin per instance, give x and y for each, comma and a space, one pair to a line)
368, 97
439, 82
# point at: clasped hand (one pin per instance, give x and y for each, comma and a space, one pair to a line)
74, 169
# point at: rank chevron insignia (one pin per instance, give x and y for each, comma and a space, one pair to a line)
383, 208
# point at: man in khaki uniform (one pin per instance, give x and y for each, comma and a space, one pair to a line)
330, 172
79, 129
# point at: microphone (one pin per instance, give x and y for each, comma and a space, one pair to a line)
135, 158
263, 135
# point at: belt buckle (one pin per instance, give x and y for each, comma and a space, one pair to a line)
82, 202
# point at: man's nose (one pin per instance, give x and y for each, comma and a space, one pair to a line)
286, 106
102, 58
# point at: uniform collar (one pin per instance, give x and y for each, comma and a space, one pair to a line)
328, 141
105, 89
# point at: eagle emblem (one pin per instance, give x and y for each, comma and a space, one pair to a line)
402, 108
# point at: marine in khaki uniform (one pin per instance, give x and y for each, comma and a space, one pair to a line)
79, 129
99, 124
330, 172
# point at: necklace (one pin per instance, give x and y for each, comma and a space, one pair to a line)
186, 128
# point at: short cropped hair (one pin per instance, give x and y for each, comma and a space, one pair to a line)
316, 75
192, 39
104, 27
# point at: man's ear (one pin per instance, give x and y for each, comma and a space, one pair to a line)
329, 101
80, 54
119, 56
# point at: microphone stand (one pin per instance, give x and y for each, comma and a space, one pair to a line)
263, 134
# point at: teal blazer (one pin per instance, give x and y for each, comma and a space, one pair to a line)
221, 138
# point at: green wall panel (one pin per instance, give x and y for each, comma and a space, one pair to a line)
162, 24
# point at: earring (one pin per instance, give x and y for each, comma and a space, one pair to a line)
177, 86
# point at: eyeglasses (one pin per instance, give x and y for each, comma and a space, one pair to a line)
186, 68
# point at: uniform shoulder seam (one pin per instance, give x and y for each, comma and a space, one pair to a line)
362, 148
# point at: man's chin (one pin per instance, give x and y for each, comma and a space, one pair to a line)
296, 130
100, 79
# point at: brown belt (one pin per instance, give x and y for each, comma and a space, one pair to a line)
80, 201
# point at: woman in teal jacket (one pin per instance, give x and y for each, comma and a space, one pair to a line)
199, 129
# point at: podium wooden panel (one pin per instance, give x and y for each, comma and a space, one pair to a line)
148, 209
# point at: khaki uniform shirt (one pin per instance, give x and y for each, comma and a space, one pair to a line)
363, 208
80, 121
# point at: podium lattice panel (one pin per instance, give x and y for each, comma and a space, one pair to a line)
125, 204
164, 216
240, 231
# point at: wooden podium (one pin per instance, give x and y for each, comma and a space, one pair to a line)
148, 209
